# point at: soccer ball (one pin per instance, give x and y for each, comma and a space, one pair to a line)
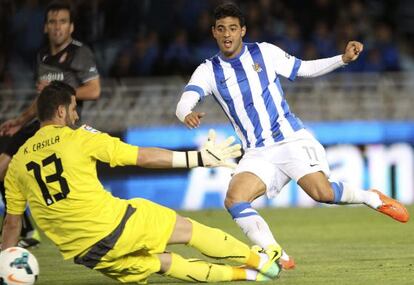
18, 267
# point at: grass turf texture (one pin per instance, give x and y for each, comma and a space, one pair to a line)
331, 245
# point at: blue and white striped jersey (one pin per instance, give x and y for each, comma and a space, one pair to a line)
248, 89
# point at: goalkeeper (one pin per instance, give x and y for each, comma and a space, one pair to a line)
55, 172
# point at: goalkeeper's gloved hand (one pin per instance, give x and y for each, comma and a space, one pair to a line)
214, 155
210, 155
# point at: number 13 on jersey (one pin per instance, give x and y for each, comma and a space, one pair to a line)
55, 177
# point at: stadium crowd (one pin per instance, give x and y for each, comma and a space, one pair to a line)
161, 37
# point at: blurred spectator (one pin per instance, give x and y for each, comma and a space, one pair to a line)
374, 62
145, 54
203, 43
324, 40
275, 24
26, 36
310, 52
358, 14
387, 48
177, 57
291, 41
139, 58
255, 35
26, 29
121, 66
202, 28
405, 16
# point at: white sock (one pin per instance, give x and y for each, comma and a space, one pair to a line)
257, 230
284, 256
251, 274
253, 226
353, 195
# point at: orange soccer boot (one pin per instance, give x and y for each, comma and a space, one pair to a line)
392, 208
287, 264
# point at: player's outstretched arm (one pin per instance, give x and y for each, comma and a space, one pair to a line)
212, 154
318, 67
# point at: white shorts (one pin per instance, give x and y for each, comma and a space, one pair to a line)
292, 158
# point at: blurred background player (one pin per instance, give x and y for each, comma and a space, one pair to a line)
64, 59
55, 173
244, 79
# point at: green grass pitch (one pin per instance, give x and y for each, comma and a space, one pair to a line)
331, 245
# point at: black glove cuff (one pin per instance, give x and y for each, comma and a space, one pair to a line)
200, 159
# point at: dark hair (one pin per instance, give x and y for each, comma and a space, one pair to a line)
55, 94
60, 5
228, 9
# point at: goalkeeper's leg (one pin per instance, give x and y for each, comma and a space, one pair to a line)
197, 270
220, 245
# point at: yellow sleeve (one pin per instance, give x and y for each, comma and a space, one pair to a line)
16, 202
106, 148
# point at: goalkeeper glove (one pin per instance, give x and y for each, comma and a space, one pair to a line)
210, 155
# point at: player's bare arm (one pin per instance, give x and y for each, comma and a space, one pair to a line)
212, 154
12, 126
90, 90
352, 51
12, 226
193, 120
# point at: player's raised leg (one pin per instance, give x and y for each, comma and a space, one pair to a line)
318, 187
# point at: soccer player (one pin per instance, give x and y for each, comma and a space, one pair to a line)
64, 59
244, 78
55, 172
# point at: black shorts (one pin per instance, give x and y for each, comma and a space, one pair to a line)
19, 138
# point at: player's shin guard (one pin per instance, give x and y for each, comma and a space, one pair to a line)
196, 270
217, 244
252, 224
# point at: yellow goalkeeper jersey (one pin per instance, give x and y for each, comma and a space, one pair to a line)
55, 172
